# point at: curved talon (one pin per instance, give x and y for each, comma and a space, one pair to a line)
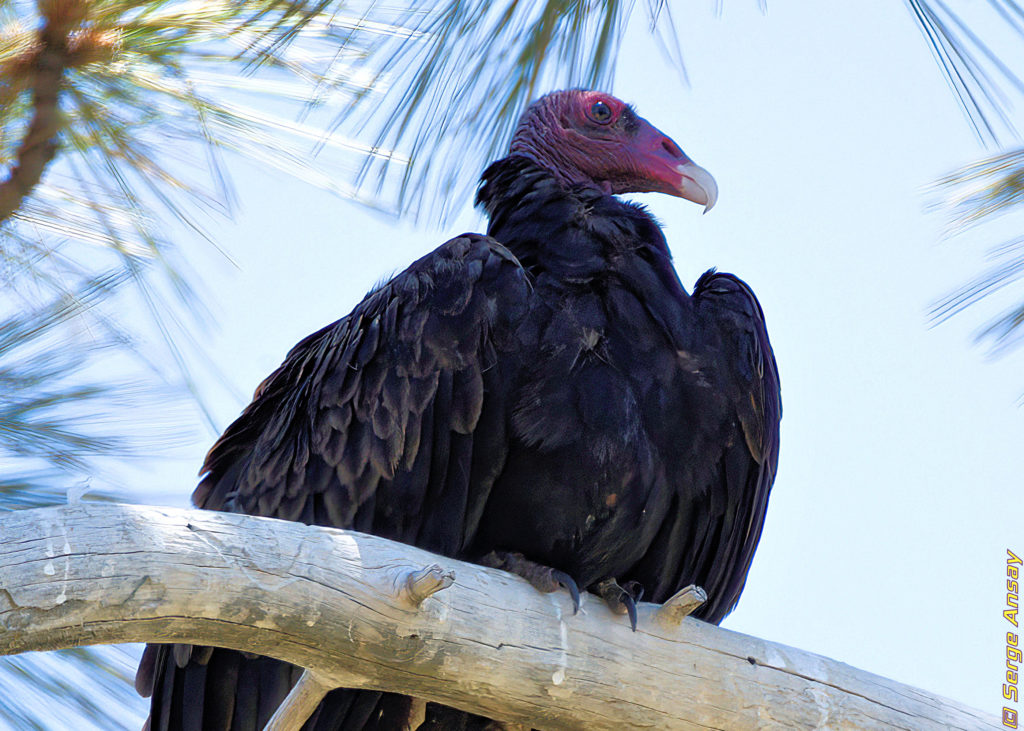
622, 599
635, 589
570, 585
630, 608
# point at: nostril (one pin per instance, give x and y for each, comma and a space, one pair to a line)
671, 147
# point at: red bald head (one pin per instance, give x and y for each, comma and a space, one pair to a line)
591, 138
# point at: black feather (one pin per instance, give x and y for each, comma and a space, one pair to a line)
558, 395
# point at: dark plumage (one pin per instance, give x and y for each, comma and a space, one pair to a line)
549, 390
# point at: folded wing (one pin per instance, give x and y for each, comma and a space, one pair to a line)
390, 420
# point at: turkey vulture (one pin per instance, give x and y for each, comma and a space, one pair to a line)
546, 399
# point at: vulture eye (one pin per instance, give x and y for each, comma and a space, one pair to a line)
601, 113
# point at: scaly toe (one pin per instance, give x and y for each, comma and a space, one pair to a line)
543, 578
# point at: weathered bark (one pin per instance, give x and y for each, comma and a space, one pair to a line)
303, 699
336, 602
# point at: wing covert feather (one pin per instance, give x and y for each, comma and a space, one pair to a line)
359, 422
345, 410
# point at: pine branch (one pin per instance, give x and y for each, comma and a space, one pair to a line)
39, 146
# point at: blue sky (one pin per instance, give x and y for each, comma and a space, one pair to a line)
898, 489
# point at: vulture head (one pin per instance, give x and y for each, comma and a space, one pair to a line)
592, 138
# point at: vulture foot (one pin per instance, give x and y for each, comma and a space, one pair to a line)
543, 578
621, 599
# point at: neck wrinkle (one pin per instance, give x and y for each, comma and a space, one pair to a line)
536, 139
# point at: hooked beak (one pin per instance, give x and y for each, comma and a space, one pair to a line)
697, 185
668, 169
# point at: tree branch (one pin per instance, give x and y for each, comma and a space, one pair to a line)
336, 602
303, 699
39, 146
